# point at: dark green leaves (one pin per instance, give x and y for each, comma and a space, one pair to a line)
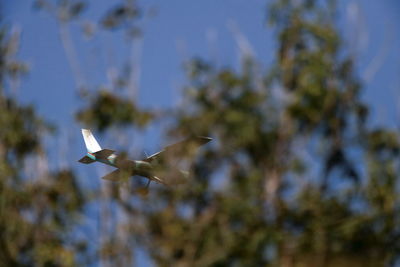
106, 110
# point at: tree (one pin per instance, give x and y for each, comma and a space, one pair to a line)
335, 209
37, 212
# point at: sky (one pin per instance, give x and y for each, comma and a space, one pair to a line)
178, 30
181, 29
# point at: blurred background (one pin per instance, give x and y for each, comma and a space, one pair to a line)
301, 98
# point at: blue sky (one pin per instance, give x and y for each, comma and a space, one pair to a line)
182, 29
178, 31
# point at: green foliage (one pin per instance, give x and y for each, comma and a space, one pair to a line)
106, 109
20, 137
120, 15
10, 68
36, 219
66, 10
276, 208
37, 215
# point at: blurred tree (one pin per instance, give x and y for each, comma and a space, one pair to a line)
275, 206
38, 208
105, 107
